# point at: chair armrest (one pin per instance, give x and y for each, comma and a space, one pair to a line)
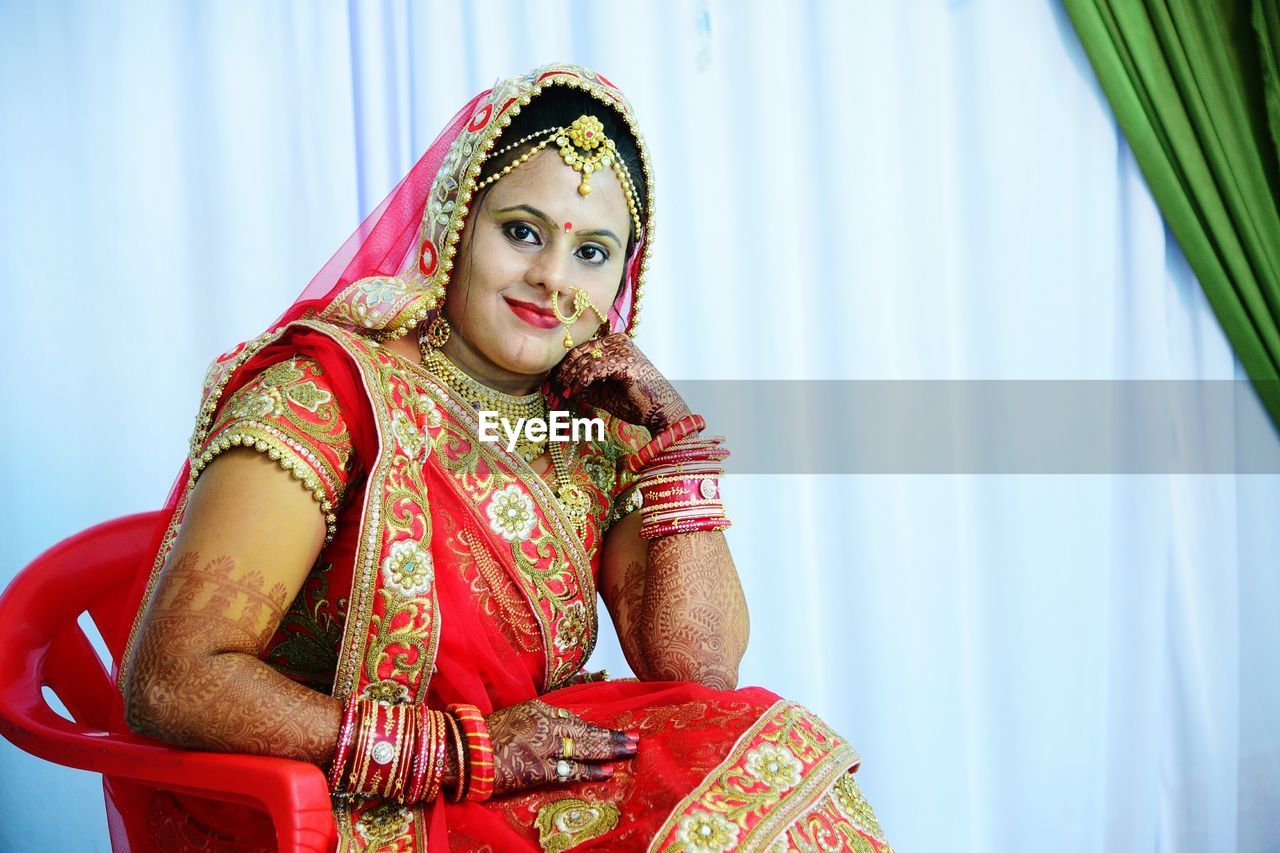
294, 793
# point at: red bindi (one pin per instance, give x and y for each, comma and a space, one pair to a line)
568, 225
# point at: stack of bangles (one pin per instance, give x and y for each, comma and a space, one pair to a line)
679, 480
398, 751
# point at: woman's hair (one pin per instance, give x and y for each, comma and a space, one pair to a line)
559, 106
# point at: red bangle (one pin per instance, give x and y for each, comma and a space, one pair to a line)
479, 751
421, 755
669, 436
374, 748
346, 733
460, 755
435, 778
385, 746
684, 526
685, 454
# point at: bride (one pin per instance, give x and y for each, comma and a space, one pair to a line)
354, 577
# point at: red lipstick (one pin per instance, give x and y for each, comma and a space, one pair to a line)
534, 315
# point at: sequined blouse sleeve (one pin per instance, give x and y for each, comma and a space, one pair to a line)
624, 439
289, 413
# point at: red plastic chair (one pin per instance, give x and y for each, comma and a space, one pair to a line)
44, 645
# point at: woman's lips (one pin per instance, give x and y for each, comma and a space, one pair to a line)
532, 314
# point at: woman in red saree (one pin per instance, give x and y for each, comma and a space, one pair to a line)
421, 566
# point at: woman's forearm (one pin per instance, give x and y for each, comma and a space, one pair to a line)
232, 702
196, 680
693, 623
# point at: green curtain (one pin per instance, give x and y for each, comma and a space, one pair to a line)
1195, 85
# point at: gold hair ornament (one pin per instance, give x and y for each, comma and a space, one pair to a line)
585, 149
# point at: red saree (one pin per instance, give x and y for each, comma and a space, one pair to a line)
453, 574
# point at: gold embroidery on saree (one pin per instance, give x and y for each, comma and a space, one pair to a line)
779, 770
287, 416
566, 823
841, 820
494, 593
374, 824
390, 631
310, 636
552, 567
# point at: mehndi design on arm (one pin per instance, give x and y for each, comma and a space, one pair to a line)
208, 689
692, 622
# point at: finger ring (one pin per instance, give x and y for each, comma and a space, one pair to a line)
567, 744
563, 769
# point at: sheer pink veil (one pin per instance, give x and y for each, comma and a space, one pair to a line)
385, 243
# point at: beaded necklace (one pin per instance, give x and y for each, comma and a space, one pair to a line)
514, 407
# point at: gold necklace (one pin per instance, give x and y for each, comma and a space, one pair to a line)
512, 407
570, 495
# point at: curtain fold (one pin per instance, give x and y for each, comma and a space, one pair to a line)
1195, 86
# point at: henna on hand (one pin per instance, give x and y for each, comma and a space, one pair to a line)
613, 374
196, 680
528, 741
686, 615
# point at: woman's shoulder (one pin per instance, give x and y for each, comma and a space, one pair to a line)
291, 402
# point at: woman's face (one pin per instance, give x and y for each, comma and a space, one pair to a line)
534, 235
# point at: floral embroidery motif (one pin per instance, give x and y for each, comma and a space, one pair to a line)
281, 375
409, 438
567, 823
782, 769
251, 405
703, 832
573, 627
387, 691
408, 569
511, 513
774, 765
600, 474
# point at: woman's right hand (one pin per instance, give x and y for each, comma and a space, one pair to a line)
529, 740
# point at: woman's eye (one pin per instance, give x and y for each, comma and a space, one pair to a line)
521, 233
593, 254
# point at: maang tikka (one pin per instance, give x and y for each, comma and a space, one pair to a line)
585, 149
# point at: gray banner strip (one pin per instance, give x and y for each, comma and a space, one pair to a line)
988, 427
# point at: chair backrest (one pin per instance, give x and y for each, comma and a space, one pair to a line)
44, 644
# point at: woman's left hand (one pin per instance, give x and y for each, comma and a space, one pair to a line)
614, 375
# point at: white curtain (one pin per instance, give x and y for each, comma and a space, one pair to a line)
908, 190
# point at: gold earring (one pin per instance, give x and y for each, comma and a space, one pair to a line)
437, 333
